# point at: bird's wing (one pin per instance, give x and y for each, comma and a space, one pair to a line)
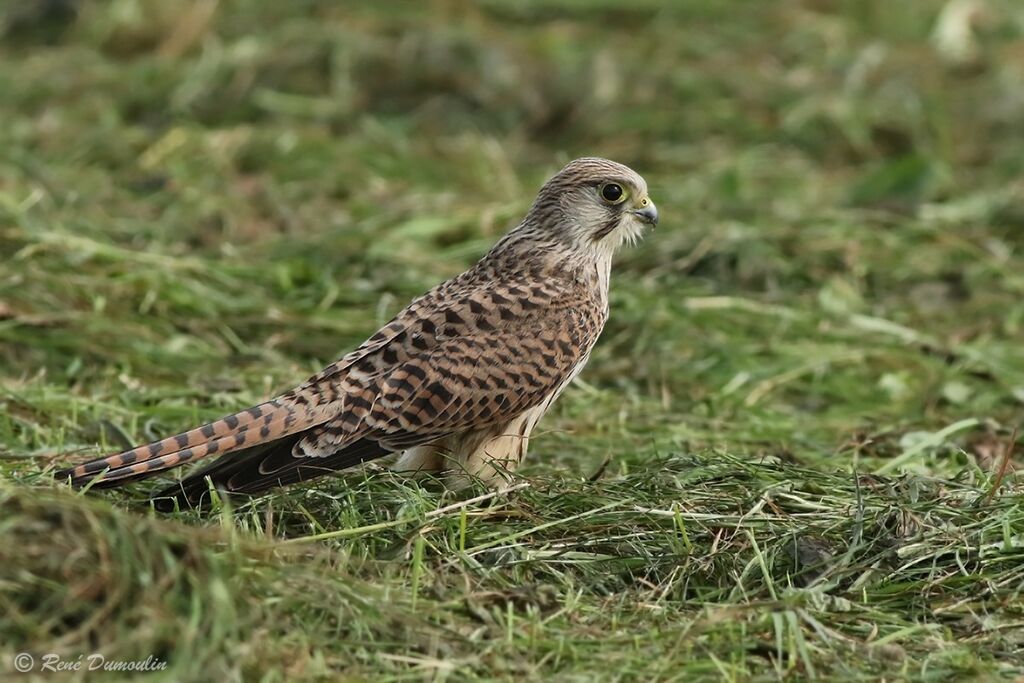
461, 357
257, 469
314, 402
467, 382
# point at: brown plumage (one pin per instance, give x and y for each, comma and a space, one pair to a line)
456, 381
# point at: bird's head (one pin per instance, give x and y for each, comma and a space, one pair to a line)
592, 204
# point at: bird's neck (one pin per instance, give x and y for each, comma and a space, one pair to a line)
552, 260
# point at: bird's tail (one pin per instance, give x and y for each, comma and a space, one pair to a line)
265, 422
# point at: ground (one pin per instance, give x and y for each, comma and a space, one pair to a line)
789, 458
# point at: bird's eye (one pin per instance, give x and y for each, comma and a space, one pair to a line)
612, 193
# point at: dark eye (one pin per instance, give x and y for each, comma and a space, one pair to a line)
612, 193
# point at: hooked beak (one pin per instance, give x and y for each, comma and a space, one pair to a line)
648, 213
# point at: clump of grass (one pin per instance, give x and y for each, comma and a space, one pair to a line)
690, 564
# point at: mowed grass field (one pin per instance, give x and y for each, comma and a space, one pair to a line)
790, 458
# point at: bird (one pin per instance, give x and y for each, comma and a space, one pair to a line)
453, 385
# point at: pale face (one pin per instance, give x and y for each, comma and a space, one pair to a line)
609, 210
592, 205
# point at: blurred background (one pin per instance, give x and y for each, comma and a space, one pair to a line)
202, 201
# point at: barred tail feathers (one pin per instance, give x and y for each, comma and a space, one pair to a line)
267, 421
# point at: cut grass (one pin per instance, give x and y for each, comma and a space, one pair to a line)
790, 457
751, 567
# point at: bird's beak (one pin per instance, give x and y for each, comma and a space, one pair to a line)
648, 212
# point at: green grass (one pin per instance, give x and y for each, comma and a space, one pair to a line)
790, 457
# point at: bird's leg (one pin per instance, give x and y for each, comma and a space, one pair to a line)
492, 457
491, 464
427, 458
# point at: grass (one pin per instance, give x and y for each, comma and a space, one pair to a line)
791, 456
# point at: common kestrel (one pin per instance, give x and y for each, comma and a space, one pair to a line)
457, 381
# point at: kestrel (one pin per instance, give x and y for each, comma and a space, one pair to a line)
456, 382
